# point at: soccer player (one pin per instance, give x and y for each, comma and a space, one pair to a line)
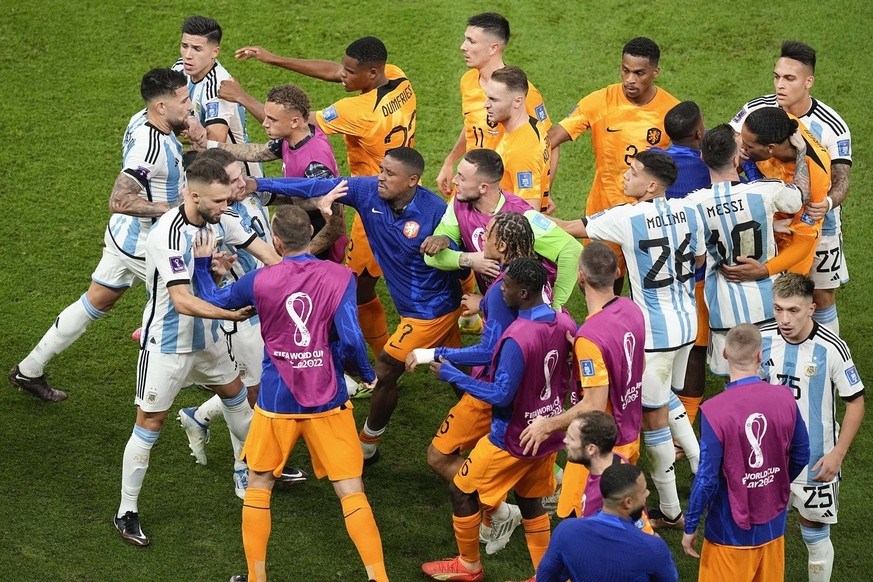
685, 128
529, 376
380, 118
399, 214
609, 355
766, 141
478, 197
310, 328
793, 78
624, 118
485, 39
524, 146
180, 337
305, 153
817, 366
149, 184
662, 242
199, 48
614, 548
753, 443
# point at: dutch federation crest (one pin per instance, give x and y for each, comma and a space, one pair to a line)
410, 229
653, 136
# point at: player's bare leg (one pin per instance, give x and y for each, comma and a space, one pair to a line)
384, 401
446, 466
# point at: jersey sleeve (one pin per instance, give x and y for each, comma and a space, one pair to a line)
218, 111
236, 232
785, 197
169, 262
346, 116
447, 259
581, 118
142, 158
737, 120
608, 225
556, 245
591, 366
844, 375
536, 107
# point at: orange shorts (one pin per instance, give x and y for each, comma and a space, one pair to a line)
576, 476
702, 316
414, 333
467, 422
359, 255
492, 473
622, 267
468, 284
331, 438
753, 563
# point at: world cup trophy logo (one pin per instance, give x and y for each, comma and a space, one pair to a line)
550, 362
299, 307
756, 428
478, 237
630, 342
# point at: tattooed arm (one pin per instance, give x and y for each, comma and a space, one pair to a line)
249, 152
126, 199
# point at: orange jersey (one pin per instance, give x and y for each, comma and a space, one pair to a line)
619, 129
526, 153
819, 163
373, 122
480, 133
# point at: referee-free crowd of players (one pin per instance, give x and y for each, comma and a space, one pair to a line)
273, 311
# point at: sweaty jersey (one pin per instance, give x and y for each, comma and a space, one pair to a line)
373, 122
827, 126
169, 256
525, 152
480, 132
619, 129
660, 239
816, 370
210, 110
154, 159
738, 222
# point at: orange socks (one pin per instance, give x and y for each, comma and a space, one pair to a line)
371, 316
365, 535
467, 536
537, 532
692, 404
256, 531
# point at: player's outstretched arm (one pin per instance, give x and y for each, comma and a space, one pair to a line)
557, 135
246, 152
447, 171
126, 199
334, 228
231, 90
324, 70
575, 228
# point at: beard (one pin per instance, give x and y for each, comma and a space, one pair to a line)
638, 514
178, 127
580, 458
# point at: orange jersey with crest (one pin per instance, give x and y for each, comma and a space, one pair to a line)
373, 122
525, 153
619, 129
480, 133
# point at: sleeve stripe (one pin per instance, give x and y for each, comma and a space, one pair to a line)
175, 238
154, 148
829, 118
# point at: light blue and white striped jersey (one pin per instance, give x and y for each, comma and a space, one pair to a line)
660, 239
816, 370
830, 130
738, 222
169, 255
154, 160
210, 109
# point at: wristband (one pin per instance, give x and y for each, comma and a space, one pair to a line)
424, 356
212, 144
830, 203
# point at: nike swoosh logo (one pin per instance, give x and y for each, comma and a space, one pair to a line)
374, 211
610, 130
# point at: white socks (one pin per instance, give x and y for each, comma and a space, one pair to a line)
682, 431
821, 552
134, 465
659, 443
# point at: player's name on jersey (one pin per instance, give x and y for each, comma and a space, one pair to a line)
396, 103
660, 221
724, 208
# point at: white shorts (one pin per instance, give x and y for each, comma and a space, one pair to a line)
159, 376
818, 502
116, 269
715, 353
664, 371
247, 348
829, 269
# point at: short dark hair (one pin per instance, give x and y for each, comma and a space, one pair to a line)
798, 51
292, 98
202, 26
719, 146
529, 273
292, 226
598, 428
770, 125
368, 50
793, 285
410, 159
493, 23
159, 83
659, 165
222, 156
617, 481
204, 170
489, 164
599, 264
643, 47
682, 120
515, 231
513, 77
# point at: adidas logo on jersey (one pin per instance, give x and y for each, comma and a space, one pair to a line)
769, 363
827, 513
